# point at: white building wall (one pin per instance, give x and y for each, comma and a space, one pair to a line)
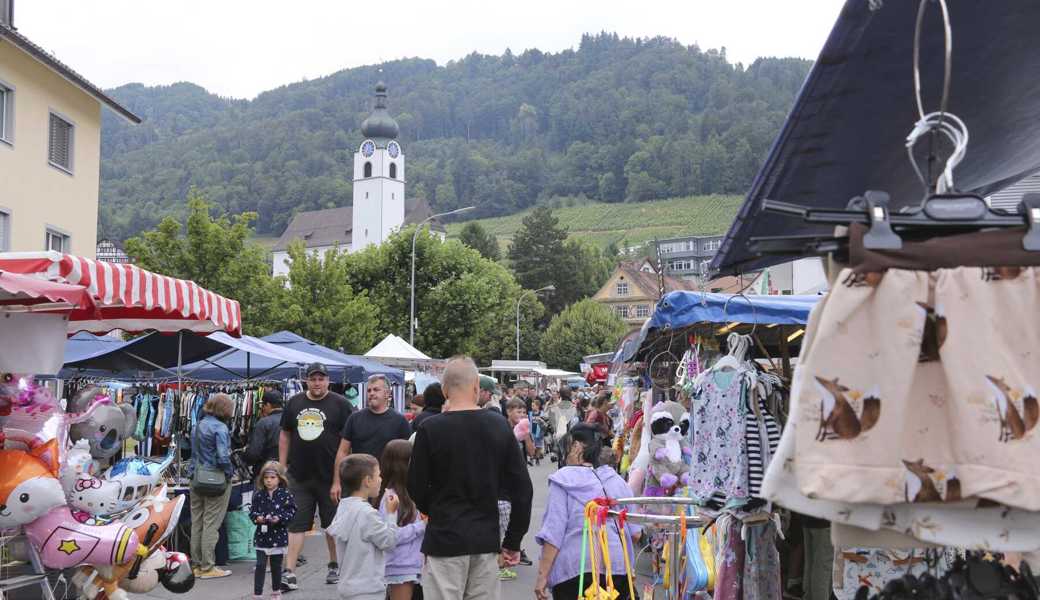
282, 262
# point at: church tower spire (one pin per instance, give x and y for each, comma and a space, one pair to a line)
378, 178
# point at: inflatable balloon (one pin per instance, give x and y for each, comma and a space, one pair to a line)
63, 542
153, 522
105, 425
29, 488
120, 488
178, 576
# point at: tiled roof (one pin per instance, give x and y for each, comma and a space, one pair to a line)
7, 33
333, 226
648, 281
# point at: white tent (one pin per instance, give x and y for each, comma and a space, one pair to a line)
397, 352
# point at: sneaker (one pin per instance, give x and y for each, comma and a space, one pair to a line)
524, 560
213, 573
507, 575
275, 596
333, 576
289, 583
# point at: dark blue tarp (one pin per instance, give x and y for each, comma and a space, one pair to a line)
359, 368
88, 354
847, 129
678, 310
681, 309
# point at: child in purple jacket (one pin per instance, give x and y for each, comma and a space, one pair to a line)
570, 489
405, 562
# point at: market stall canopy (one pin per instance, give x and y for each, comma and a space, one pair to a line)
358, 368
36, 314
248, 357
24, 293
393, 347
90, 354
128, 297
678, 310
847, 129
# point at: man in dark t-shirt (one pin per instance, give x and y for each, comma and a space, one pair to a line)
370, 429
463, 458
311, 423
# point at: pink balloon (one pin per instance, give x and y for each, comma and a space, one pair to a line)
63, 542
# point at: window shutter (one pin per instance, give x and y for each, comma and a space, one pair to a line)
60, 141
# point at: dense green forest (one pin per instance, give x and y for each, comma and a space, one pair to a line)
617, 120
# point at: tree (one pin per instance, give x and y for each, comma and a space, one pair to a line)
216, 254
536, 252
464, 303
586, 327
475, 236
321, 306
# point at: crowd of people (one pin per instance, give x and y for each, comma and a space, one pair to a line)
439, 497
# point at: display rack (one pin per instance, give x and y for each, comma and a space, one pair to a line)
38, 576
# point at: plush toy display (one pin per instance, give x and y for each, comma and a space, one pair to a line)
107, 425
669, 449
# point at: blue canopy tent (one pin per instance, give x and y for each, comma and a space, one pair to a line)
253, 358
358, 368
846, 132
678, 311
99, 355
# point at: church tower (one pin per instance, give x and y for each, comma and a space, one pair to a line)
378, 178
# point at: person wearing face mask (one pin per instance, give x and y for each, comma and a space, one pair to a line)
307, 445
582, 479
370, 429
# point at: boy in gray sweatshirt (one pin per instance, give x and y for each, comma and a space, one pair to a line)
362, 535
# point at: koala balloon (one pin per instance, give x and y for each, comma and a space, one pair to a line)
108, 425
669, 449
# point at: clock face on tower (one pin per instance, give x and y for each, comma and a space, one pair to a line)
368, 147
393, 149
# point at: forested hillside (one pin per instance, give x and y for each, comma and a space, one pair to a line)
615, 120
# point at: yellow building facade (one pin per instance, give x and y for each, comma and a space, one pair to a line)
50, 151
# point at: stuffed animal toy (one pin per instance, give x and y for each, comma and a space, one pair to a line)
669, 449
108, 425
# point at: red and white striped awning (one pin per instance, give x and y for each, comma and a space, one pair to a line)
130, 298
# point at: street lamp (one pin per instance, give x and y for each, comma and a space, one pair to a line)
411, 320
548, 288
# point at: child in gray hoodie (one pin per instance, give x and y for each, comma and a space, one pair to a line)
362, 535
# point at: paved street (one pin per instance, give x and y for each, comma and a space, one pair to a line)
312, 576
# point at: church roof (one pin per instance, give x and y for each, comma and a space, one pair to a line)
379, 125
333, 226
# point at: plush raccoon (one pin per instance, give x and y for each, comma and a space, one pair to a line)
669, 449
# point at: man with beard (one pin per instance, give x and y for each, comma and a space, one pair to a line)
370, 429
307, 448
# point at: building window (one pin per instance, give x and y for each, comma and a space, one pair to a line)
622, 288
682, 264
60, 143
642, 311
621, 310
393, 171
712, 245
57, 241
5, 231
368, 169
6, 114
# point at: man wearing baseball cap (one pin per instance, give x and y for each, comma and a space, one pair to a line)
487, 390
307, 446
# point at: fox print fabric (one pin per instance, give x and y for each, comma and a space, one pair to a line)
921, 387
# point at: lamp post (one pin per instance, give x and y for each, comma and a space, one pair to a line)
411, 320
548, 288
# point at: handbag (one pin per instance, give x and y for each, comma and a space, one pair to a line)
206, 480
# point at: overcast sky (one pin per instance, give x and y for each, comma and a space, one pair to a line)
240, 48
